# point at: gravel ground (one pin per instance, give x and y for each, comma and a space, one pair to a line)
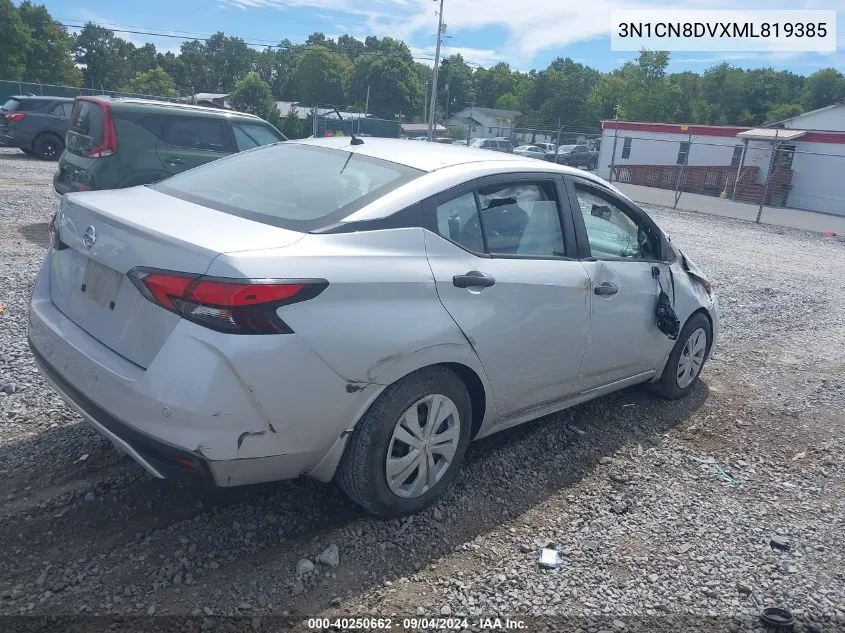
659, 509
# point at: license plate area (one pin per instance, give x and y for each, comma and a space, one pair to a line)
101, 284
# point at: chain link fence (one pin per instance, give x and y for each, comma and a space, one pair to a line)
804, 175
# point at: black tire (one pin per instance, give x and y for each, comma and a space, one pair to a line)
667, 387
361, 473
48, 146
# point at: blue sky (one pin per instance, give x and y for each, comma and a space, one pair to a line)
526, 34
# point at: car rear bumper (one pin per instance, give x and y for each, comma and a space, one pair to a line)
7, 140
195, 413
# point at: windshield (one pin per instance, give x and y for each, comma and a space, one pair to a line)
565, 148
290, 185
478, 142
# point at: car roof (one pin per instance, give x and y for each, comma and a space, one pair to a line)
431, 157
40, 98
181, 107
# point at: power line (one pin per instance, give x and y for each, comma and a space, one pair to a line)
186, 36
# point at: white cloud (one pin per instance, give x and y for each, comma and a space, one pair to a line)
532, 27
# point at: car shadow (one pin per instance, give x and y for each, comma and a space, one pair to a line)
36, 233
16, 156
107, 508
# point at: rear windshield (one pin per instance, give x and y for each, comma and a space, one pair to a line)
293, 186
86, 127
11, 105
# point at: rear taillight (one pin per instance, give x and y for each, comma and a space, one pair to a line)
233, 306
15, 116
109, 144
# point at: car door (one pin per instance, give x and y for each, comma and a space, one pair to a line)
622, 251
502, 253
187, 142
59, 118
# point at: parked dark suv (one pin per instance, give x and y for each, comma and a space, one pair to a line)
122, 142
36, 125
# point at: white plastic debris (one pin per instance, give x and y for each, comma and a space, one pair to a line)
550, 558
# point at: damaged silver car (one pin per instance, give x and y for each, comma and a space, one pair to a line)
358, 310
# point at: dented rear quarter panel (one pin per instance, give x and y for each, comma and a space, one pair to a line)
380, 317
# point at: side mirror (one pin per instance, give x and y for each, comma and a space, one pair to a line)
601, 212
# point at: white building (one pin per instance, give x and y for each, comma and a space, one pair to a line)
484, 122
806, 173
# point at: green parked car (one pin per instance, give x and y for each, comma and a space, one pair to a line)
121, 142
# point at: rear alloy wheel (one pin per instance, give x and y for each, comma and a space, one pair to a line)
686, 360
48, 146
408, 447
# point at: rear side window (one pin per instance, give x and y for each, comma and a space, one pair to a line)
86, 127
61, 109
290, 185
519, 219
195, 133
249, 135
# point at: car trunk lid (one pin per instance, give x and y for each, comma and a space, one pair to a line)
106, 234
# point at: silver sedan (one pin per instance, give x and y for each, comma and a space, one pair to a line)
356, 311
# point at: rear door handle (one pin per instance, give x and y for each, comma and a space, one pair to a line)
173, 160
606, 288
473, 279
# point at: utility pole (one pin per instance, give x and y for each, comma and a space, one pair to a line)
469, 123
615, 139
433, 106
425, 104
367, 104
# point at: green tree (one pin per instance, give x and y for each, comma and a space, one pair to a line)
228, 60
253, 95
823, 88
393, 84
457, 75
349, 46
493, 82
275, 66
15, 40
783, 111
318, 76
49, 57
108, 60
154, 82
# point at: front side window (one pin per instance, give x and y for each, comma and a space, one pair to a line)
249, 135
294, 186
612, 231
519, 219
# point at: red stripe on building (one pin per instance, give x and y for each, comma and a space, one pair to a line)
725, 131
674, 128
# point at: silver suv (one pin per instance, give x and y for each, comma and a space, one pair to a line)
496, 144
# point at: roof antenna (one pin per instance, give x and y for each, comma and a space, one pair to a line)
355, 140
